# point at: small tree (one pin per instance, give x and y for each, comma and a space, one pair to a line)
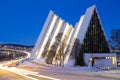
51, 53
115, 39
61, 44
75, 51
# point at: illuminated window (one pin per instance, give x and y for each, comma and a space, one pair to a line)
114, 60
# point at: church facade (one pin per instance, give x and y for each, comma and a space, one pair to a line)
59, 42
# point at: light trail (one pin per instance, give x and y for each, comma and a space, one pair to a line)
7, 63
28, 53
26, 73
21, 72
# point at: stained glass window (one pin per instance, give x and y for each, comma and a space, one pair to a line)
94, 41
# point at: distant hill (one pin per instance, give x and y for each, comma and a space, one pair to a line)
16, 45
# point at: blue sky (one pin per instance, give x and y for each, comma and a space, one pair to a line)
22, 20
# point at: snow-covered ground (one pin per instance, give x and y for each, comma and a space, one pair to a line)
70, 73
37, 64
52, 67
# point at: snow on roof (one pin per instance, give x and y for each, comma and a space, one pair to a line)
85, 23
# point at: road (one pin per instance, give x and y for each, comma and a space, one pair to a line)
14, 62
41, 72
28, 53
21, 74
13, 73
6, 75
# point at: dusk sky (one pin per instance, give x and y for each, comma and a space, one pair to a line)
21, 21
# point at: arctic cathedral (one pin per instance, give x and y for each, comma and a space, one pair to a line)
58, 37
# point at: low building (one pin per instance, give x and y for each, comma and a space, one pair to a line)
101, 61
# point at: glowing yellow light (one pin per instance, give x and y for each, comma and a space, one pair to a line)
114, 60
90, 59
118, 64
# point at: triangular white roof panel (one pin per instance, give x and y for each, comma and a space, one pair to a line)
85, 23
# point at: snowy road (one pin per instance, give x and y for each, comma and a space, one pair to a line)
29, 75
32, 71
